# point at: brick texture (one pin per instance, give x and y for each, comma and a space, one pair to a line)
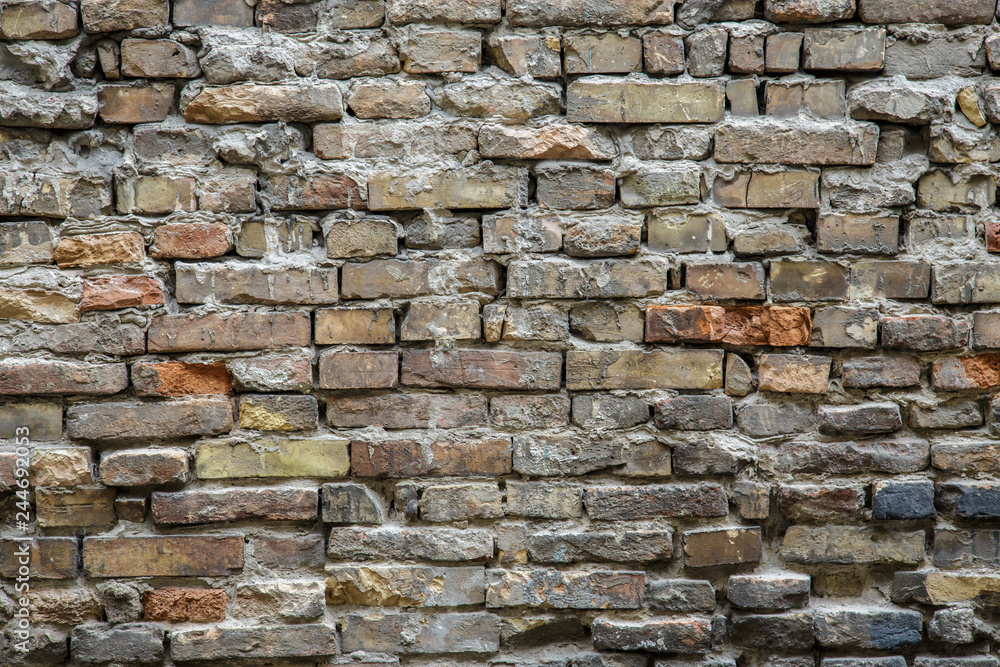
501, 333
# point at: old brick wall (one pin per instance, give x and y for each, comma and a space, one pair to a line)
576, 333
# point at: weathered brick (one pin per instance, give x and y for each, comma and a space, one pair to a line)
853, 457
141, 467
846, 545
624, 546
431, 11
37, 20
279, 641
559, 589
675, 635
544, 500
407, 458
48, 557
255, 103
191, 241
232, 459
358, 370
482, 369
245, 283
98, 249
314, 192
164, 419
968, 500
903, 500
643, 502
662, 369
980, 371
426, 633
113, 292
876, 629
694, 413
174, 378
735, 280
569, 13
229, 332
521, 412
404, 585
934, 11
951, 415
806, 503
864, 419
277, 412
131, 643
24, 242
433, 544
234, 504
762, 419
597, 279
769, 592
799, 142
808, 11
681, 595
924, 333
388, 98
396, 411
162, 556
460, 502
178, 605
868, 372
563, 455
726, 546
777, 632
844, 49
602, 411
61, 377
794, 374
484, 186
613, 100
739, 325
890, 279
114, 15
562, 185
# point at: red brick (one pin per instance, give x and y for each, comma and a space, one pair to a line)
408, 458
61, 377
111, 292
163, 556
358, 370
174, 378
185, 605
191, 241
237, 331
737, 325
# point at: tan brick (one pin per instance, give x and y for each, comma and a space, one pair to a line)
558, 142
799, 142
255, 103
358, 370
99, 249
245, 282
437, 51
37, 20
63, 466
162, 556
236, 331
844, 49
388, 98
794, 374
603, 99
365, 326
482, 186
115, 15
660, 369
537, 55
158, 58
441, 321
130, 104
484, 369
79, 507
38, 305
602, 53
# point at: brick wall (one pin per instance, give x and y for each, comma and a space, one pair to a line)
575, 333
